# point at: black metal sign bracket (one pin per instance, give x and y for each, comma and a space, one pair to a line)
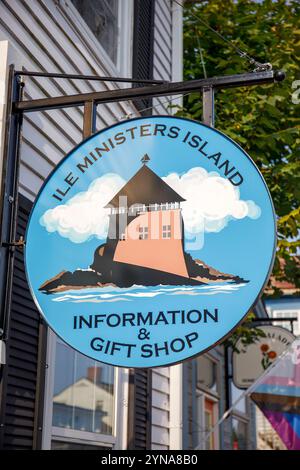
90, 100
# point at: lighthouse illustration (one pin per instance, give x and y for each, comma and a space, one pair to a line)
145, 242
146, 225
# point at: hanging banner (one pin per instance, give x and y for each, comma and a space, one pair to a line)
150, 241
277, 395
253, 359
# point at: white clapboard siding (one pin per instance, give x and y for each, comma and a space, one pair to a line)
47, 39
160, 408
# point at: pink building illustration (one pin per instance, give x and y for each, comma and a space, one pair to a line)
146, 225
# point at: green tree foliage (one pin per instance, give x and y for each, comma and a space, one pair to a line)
246, 332
262, 119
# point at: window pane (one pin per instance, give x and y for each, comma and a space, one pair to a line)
63, 394
102, 18
60, 445
235, 394
239, 434
83, 392
207, 373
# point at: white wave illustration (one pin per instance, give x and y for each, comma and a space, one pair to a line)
112, 294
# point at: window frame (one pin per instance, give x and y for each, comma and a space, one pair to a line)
201, 396
244, 420
243, 416
143, 232
123, 65
118, 439
203, 393
167, 232
214, 394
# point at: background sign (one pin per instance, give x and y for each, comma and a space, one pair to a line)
150, 241
254, 359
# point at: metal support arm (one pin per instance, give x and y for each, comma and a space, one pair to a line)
166, 89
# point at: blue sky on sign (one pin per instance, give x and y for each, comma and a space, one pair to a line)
168, 156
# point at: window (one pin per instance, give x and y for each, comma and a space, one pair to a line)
207, 373
207, 377
209, 420
288, 314
239, 434
143, 233
240, 419
206, 435
83, 396
102, 18
166, 231
241, 406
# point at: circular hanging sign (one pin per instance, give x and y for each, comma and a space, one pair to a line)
252, 360
150, 241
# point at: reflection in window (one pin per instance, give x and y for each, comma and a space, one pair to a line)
206, 373
235, 394
102, 18
83, 396
239, 435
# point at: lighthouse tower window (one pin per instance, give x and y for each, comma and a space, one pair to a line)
143, 233
166, 232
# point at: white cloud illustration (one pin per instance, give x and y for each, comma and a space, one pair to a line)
84, 216
211, 202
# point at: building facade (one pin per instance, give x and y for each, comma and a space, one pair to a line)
285, 307
51, 396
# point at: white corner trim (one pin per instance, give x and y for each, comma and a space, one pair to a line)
176, 413
177, 48
177, 42
49, 387
121, 408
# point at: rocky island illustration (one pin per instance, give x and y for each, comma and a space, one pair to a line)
149, 248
